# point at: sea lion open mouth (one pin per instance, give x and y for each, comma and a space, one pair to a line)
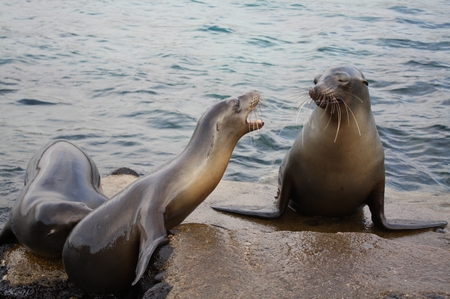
257, 123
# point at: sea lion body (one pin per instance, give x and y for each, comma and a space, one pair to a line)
330, 175
62, 185
336, 164
110, 249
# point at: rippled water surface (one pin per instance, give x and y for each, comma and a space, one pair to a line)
127, 82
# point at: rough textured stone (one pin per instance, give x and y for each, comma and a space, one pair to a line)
219, 255
27, 268
247, 264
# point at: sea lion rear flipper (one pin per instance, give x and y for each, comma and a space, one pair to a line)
376, 205
151, 238
7, 235
282, 201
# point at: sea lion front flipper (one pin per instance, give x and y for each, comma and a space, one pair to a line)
376, 206
282, 201
151, 237
7, 235
256, 211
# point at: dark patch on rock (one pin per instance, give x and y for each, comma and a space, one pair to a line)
125, 170
158, 291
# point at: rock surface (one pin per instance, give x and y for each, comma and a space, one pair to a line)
221, 255
246, 264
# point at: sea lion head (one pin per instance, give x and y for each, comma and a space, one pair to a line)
225, 123
341, 85
232, 115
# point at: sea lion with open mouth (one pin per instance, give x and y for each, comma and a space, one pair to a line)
110, 249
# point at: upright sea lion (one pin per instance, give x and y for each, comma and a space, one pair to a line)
61, 188
336, 165
110, 249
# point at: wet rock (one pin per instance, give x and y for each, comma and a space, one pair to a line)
222, 255
27, 268
399, 205
247, 264
26, 276
113, 184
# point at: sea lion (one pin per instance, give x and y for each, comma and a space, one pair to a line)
336, 164
62, 186
110, 249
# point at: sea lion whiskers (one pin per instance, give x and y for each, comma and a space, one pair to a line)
347, 107
329, 119
303, 100
339, 122
336, 108
327, 99
324, 95
306, 100
354, 95
324, 110
348, 115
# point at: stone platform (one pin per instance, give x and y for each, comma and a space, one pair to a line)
219, 255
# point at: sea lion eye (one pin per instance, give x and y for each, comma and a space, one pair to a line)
343, 78
366, 82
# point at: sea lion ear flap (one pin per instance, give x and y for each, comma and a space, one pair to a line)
218, 125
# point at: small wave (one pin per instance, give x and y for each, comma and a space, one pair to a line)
338, 51
34, 102
431, 64
216, 29
418, 88
6, 90
143, 91
5, 61
77, 137
217, 96
263, 43
7, 83
406, 10
407, 43
161, 119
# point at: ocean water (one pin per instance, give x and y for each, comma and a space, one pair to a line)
127, 81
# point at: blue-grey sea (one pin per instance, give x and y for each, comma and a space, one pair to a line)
127, 81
